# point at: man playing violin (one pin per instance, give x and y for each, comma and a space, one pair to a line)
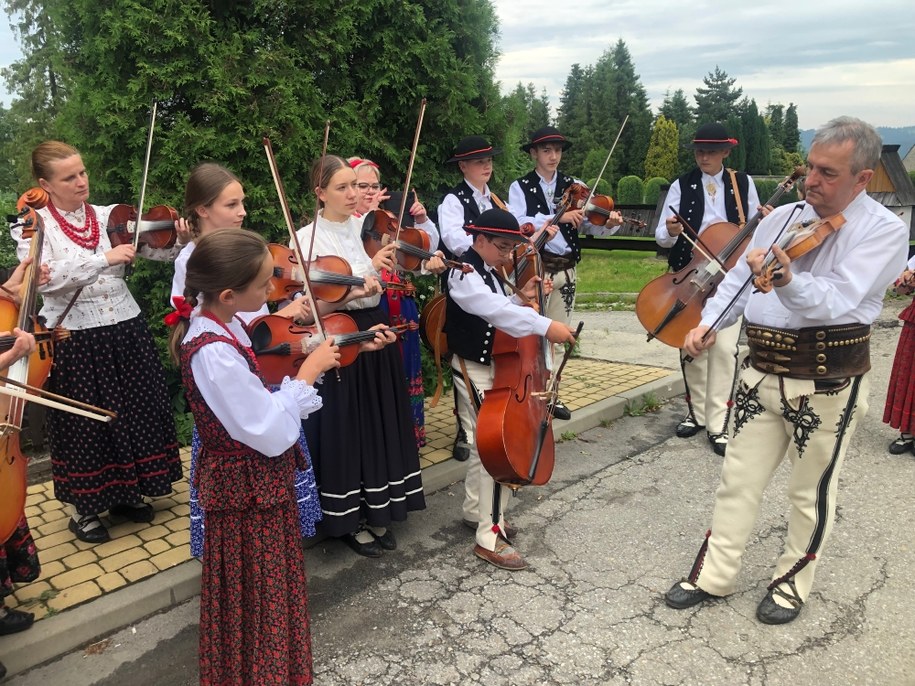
803, 389
476, 306
533, 199
706, 195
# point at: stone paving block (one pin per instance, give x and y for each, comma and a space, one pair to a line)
29, 596
123, 559
76, 577
162, 503
50, 569
33, 499
83, 557
153, 532
51, 505
55, 515
157, 546
179, 538
125, 528
163, 516
36, 488
181, 487
178, 524
55, 553
439, 455
59, 524
182, 510
172, 557
111, 581
138, 570
46, 542
33, 511
74, 595
118, 545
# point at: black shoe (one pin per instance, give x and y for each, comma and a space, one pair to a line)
902, 445
140, 513
560, 411
681, 598
770, 612
386, 540
688, 427
719, 443
15, 621
371, 549
461, 449
86, 532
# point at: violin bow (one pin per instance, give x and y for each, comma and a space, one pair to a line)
314, 223
696, 241
290, 226
128, 270
406, 183
58, 402
606, 161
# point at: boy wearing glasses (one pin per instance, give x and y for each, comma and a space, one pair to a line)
477, 304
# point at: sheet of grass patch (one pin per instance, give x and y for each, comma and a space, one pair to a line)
617, 271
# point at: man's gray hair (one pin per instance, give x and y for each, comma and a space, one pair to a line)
868, 145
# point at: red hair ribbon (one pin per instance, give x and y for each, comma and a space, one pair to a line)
358, 162
182, 311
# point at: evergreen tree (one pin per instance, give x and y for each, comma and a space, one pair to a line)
632, 100
758, 148
791, 140
738, 157
718, 99
676, 108
661, 159
775, 115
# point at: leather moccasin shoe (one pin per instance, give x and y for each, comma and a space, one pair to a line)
386, 540
688, 427
461, 449
371, 549
510, 531
719, 443
901, 445
503, 557
560, 411
89, 529
139, 513
15, 621
770, 612
681, 598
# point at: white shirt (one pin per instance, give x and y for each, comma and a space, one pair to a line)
343, 239
842, 281
557, 245
105, 298
451, 217
714, 211
473, 296
267, 422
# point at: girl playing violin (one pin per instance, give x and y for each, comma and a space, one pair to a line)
253, 603
214, 199
365, 455
109, 359
400, 307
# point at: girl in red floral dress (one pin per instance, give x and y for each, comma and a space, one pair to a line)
253, 602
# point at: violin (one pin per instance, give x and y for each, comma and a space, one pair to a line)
380, 229
281, 345
157, 226
799, 239
598, 209
331, 277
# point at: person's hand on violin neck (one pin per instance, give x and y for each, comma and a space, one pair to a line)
550, 231
560, 332
122, 254
674, 227
383, 336
529, 292
372, 287
694, 343
23, 346
573, 217
184, 231
435, 264
385, 258
298, 310
756, 258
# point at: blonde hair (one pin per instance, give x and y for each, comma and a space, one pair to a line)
47, 152
225, 260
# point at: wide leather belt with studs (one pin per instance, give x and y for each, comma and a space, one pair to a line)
816, 352
553, 263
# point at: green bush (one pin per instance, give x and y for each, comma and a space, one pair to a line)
603, 188
630, 191
653, 189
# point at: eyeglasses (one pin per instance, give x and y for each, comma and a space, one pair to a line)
504, 248
366, 186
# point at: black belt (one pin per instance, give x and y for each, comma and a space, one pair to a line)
557, 263
816, 352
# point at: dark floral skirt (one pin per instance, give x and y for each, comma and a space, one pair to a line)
18, 559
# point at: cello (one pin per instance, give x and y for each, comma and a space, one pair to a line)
671, 305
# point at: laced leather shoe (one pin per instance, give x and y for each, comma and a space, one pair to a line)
680, 598
902, 445
461, 449
560, 411
770, 612
504, 556
688, 427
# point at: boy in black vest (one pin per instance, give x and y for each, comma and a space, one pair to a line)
476, 306
462, 205
533, 199
707, 195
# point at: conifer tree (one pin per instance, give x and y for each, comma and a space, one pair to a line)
661, 159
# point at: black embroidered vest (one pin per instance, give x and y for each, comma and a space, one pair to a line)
470, 336
692, 209
538, 204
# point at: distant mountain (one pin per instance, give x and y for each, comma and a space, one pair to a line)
903, 136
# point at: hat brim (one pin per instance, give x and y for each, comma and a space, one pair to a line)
475, 155
566, 144
712, 145
510, 234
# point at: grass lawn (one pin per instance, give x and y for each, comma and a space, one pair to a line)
604, 274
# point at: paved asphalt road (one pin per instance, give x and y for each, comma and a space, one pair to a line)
621, 519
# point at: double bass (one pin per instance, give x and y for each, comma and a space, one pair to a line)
671, 305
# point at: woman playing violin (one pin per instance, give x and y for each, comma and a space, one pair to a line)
214, 199
362, 442
400, 307
109, 359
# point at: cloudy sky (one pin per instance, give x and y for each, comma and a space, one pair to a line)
828, 57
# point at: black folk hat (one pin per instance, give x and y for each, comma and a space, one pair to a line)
392, 204
547, 134
496, 223
712, 137
472, 148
